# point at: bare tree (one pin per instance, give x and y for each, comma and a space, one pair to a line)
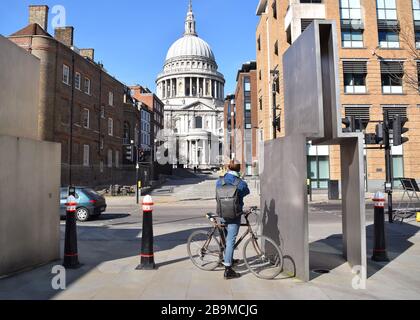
408, 43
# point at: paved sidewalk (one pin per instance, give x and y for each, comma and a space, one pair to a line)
110, 256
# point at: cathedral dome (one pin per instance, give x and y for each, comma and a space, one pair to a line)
190, 46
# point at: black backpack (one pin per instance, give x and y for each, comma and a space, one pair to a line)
228, 200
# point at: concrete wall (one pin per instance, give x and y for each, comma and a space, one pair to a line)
19, 91
29, 203
29, 168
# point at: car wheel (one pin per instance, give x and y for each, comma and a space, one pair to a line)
82, 214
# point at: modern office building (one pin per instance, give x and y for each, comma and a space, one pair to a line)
379, 44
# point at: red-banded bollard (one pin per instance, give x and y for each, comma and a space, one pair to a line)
71, 256
379, 249
147, 254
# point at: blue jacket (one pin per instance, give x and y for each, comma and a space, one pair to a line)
242, 187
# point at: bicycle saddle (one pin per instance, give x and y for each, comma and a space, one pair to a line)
211, 215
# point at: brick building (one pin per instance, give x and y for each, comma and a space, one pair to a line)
155, 107
76, 90
241, 120
378, 60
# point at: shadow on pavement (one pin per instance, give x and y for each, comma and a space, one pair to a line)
326, 254
97, 245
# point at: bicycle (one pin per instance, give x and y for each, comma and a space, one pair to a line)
262, 256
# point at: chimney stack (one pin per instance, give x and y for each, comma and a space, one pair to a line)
39, 15
65, 35
88, 53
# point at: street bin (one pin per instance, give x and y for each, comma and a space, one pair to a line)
333, 190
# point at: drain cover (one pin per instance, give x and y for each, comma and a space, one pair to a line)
321, 271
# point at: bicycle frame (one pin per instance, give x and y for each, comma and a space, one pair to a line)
221, 229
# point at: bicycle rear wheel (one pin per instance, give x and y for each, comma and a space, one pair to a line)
263, 257
204, 250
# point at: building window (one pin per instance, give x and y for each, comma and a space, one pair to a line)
305, 23
418, 74
248, 106
351, 24
66, 74
352, 38
389, 39
259, 43
416, 16
199, 122
111, 99
103, 112
355, 73
387, 9
86, 154
360, 115
276, 48
388, 25
101, 166
261, 103
247, 84
87, 86
77, 81
274, 7
85, 118
101, 144
110, 162
110, 127
392, 73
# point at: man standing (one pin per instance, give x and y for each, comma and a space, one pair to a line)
230, 208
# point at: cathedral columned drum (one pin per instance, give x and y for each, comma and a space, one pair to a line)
192, 90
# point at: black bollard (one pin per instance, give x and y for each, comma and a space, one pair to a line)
379, 249
71, 256
147, 256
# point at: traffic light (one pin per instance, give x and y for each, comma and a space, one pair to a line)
398, 130
278, 123
380, 133
347, 122
128, 153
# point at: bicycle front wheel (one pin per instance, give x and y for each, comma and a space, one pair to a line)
204, 250
263, 257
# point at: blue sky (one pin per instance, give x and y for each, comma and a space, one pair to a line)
131, 37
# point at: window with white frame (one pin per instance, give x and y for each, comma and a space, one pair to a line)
392, 73
110, 162
352, 26
388, 25
66, 74
111, 99
77, 80
85, 118
416, 17
110, 127
387, 9
101, 166
86, 155
87, 86
103, 112
355, 73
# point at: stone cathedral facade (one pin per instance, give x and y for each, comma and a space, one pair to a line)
192, 90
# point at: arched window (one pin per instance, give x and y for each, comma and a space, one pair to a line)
199, 122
